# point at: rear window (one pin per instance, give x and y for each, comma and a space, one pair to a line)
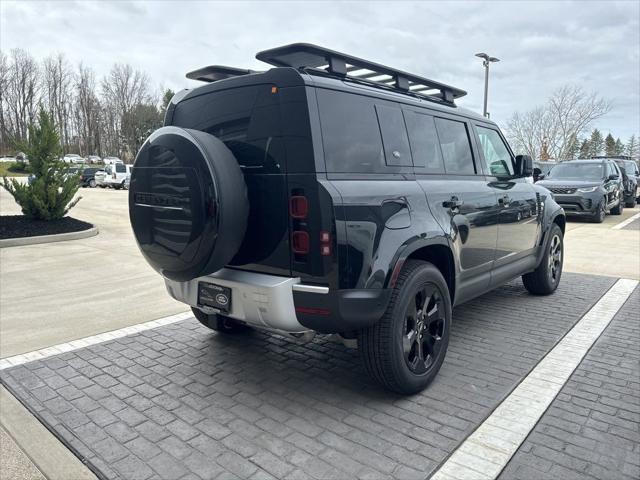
246, 119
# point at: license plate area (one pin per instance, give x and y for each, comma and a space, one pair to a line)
214, 296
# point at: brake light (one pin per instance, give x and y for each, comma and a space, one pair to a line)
298, 207
300, 242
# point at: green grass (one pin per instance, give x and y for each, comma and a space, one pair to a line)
4, 171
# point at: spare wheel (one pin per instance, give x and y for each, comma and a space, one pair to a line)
187, 203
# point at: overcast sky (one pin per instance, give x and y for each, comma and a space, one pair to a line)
542, 45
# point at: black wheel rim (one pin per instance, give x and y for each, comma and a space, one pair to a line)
555, 258
423, 329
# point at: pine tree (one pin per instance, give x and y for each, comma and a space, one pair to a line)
596, 143
50, 195
632, 148
619, 147
585, 149
609, 146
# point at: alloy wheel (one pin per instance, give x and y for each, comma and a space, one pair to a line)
555, 258
423, 330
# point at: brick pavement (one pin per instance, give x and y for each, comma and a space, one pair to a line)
592, 429
182, 402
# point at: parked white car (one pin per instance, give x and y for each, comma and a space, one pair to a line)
94, 159
111, 160
100, 177
117, 174
72, 158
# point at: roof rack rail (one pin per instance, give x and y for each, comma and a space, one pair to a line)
213, 73
306, 56
613, 157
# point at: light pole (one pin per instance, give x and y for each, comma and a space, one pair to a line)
486, 61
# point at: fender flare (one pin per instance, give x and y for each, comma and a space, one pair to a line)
408, 248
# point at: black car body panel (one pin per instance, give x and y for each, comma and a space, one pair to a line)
371, 165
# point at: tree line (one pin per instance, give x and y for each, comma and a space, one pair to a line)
108, 116
559, 129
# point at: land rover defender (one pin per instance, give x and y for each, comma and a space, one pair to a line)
334, 195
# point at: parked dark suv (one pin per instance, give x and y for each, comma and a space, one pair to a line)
335, 195
588, 188
630, 176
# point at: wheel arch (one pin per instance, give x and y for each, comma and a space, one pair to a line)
437, 252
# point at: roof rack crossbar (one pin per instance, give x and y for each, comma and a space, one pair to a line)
306, 56
213, 73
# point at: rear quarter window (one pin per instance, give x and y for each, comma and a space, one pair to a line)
350, 133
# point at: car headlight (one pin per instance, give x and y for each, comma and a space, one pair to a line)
588, 189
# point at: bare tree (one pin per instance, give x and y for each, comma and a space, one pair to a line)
21, 94
4, 84
567, 114
87, 112
57, 85
123, 90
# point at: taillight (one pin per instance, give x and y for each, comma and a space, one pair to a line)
300, 242
298, 207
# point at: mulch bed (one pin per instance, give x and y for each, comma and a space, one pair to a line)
16, 226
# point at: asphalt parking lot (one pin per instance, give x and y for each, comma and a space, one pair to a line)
178, 401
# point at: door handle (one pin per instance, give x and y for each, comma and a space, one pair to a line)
453, 203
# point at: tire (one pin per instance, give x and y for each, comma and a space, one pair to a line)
601, 212
394, 351
195, 225
92, 183
220, 323
630, 203
617, 210
545, 279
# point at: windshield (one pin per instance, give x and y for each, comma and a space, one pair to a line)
577, 171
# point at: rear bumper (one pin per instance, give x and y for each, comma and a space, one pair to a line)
285, 304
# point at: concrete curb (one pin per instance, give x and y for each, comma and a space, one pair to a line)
47, 453
60, 237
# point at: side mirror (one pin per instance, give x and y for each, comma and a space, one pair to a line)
524, 165
613, 176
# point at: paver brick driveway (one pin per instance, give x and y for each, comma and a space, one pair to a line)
183, 402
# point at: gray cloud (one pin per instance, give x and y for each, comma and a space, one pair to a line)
542, 44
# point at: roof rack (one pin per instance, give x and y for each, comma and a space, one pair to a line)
213, 73
613, 157
306, 56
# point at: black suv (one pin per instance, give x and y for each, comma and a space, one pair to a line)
588, 188
630, 177
335, 195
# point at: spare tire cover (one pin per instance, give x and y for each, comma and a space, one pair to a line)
187, 203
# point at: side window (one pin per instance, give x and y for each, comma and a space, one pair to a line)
455, 146
350, 133
394, 136
120, 168
424, 143
496, 155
